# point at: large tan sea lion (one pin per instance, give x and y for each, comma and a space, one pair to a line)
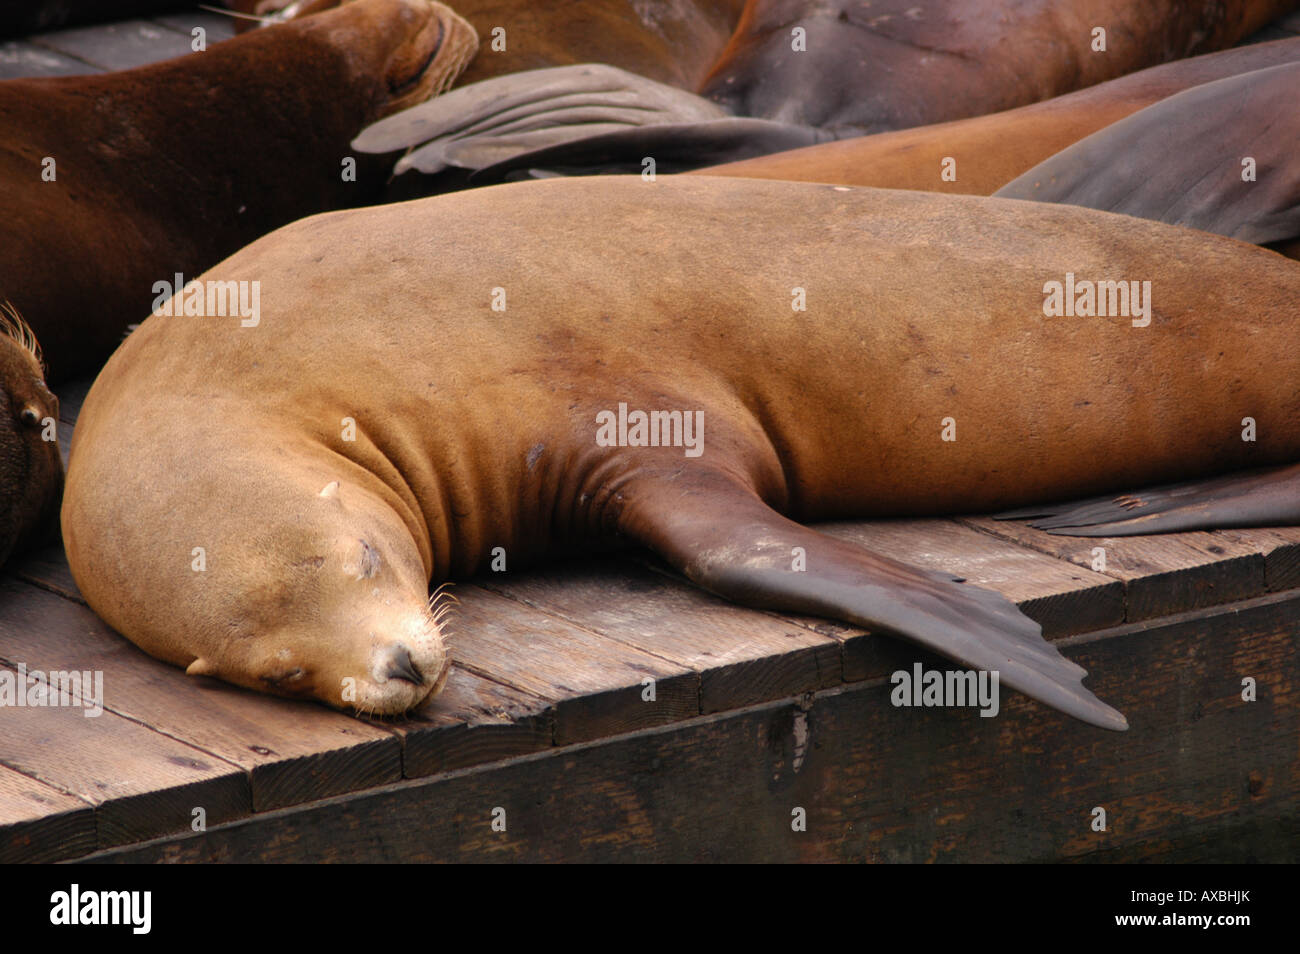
692, 365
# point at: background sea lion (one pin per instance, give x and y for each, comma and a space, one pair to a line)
1222, 157
893, 64
875, 67
167, 168
31, 473
992, 150
384, 426
669, 41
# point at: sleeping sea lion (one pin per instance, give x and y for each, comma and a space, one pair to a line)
693, 365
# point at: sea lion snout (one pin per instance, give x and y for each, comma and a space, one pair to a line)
403, 672
401, 667
434, 45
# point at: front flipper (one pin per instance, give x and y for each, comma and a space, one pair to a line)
1266, 499
675, 147
725, 539
493, 120
1181, 161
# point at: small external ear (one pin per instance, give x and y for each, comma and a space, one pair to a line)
201, 667
331, 491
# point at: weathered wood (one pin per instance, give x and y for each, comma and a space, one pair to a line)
1280, 548
142, 783
741, 656
595, 684
116, 46
40, 823
294, 752
47, 567
1162, 574
19, 58
472, 721
877, 782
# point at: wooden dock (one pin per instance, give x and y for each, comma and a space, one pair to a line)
613, 711
605, 710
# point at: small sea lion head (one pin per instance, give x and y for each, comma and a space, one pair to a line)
423, 45
332, 603
31, 472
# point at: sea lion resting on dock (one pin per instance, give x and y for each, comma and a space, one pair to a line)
273, 513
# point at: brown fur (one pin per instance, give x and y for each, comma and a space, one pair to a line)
31, 472
475, 429
169, 167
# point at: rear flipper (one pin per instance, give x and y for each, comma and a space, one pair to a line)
1268, 498
726, 540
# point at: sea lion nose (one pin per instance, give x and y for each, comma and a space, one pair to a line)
401, 667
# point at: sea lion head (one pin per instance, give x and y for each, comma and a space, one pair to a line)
333, 604
297, 571
31, 472
423, 45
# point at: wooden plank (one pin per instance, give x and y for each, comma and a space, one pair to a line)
472, 721
19, 58
742, 656
1162, 574
116, 46
293, 751
142, 783
39, 823
71, 396
1280, 547
47, 567
1266, 34
876, 782
595, 684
